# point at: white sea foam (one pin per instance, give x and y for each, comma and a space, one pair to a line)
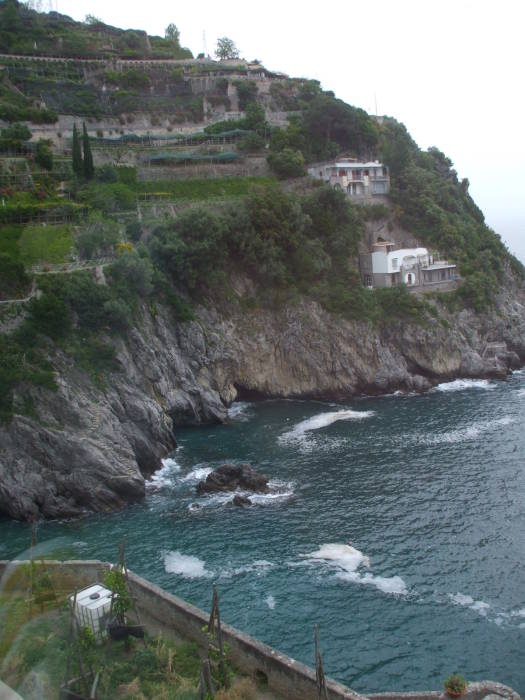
386, 584
197, 474
343, 555
521, 392
462, 384
260, 567
471, 432
240, 411
163, 477
270, 601
321, 420
185, 565
279, 491
468, 601
347, 560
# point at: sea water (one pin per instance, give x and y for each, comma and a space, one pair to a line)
428, 489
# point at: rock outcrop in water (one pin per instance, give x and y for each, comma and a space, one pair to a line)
90, 449
230, 477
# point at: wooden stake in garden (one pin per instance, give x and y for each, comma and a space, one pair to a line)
215, 636
320, 680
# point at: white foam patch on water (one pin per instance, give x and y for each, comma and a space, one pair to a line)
270, 601
471, 432
321, 420
468, 601
462, 384
521, 392
163, 477
185, 565
240, 411
347, 560
279, 491
197, 474
386, 584
260, 567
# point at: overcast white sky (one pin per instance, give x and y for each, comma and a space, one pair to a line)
451, 70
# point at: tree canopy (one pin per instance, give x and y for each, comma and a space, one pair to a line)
226, 49
172, 33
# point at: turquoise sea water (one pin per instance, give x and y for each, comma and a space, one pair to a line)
429, 488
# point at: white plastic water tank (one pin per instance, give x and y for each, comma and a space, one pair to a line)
92, 608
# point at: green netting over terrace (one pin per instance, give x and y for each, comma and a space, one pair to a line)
180, 158
198, 136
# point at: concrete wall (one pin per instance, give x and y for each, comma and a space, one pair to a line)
287, 677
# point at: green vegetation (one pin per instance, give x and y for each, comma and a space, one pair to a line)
287, 163
45, 244
14, 138
76, 153
89, 169
434, 205
24, 31
455, 685
226, 49
36, 648
15, 107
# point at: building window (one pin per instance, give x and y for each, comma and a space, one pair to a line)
394, 263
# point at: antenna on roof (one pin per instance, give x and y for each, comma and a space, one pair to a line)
375, 100
204, 47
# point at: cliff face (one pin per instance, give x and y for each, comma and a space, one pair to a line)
92, 448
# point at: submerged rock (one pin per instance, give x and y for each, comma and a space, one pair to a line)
230, 477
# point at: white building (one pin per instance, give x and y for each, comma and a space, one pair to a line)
356, 178
389, 265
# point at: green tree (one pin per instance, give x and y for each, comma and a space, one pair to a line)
172, 33
44, 155
287, 163
78, 166
14, 137
226, 49
89, 170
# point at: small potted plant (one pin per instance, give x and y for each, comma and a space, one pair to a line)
455, 685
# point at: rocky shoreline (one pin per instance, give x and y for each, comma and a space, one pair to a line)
90, 449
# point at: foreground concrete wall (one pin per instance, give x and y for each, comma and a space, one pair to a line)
287, 677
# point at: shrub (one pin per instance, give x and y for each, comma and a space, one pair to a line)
287, 163
50, 315
13, 279
132, 273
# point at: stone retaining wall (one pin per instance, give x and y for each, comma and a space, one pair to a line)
287, 677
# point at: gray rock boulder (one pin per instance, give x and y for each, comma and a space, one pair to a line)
230, 477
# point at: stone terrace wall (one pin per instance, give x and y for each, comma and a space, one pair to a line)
287, 677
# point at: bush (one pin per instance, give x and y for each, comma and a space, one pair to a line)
44, 155
50, 315
107, 173
99, 238
131, 273
13, 279
287, 163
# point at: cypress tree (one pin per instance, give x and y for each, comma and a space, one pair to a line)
78, 166
89, 170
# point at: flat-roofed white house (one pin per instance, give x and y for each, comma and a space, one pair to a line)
356, 178
389, 265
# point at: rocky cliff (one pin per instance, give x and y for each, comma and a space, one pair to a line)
91, 448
